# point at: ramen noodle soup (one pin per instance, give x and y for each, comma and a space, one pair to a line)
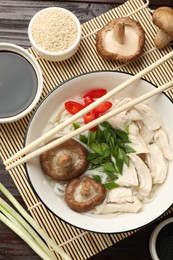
122, 156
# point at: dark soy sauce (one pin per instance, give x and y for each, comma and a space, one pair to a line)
18, 84
164, 243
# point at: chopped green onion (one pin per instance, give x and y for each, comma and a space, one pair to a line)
91, 137
109, 149
99, 134
111, 185
96, 148
83, 139
76, 125
106, 153
108, 167
97, 178
129, 149
123, 135
119, 165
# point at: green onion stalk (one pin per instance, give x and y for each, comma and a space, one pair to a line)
27, 228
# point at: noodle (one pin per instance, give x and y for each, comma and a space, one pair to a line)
142, 189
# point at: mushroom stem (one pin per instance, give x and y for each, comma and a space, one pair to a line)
86, 189
162, 39
64, 160
119, 32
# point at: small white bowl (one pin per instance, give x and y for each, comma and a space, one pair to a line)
21, 82
154, 237
46, 53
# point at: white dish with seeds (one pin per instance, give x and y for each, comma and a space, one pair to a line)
55, 33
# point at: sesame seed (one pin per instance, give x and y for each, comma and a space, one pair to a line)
54, 30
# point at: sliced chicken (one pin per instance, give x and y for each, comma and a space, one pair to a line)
133, 114
131, 207
122, 102
162, 141
119, 121
146, 134
122, 119
156, 163
129, 176
120, 195
149, 116
138, 143
133, 128
144, 175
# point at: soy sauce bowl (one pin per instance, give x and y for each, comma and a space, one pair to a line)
21, 82
161, 241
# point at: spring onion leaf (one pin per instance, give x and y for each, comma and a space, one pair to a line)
129, 149
96, 148
91, 137
122, 135
119, 165
83, 139
99, 134
111, 185
76, 125
106, 153
97, 178
108, 167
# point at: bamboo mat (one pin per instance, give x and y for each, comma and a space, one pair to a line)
78, 243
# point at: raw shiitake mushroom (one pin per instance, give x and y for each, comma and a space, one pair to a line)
122, 39
163, 19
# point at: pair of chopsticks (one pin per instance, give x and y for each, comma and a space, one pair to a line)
28, 152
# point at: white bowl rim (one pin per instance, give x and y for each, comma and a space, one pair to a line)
25, 54
58, 53
154, 235
25, 165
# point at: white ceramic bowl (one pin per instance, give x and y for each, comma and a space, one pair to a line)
21, 82
154, 236
42, 186
52, 55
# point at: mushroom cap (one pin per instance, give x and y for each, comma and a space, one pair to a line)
84, 194
163, 19
65, 161
132, 46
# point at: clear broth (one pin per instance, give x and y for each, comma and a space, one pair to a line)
18, 84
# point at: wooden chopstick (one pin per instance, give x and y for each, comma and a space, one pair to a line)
90, 125
30, 147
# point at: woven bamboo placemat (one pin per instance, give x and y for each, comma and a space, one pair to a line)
78, 243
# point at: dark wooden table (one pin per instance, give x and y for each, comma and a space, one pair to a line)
14, 19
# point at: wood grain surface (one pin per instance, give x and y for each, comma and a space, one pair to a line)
14, 19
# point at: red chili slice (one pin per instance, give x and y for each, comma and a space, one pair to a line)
102, 108
73, 107
95, 93
88, 100
89, 117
